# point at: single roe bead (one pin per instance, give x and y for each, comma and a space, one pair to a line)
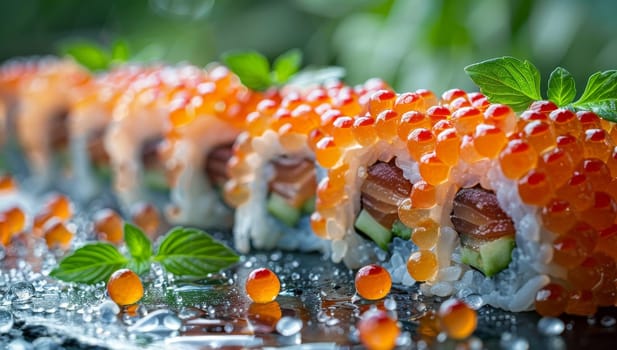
373, 282
378, 331
262, 285
457, 319
124, 287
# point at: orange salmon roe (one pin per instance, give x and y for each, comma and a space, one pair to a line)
457, 319
60, 206
380, 101
450, 95
16, 219
265, 313
235, 193
422, 195
419, 142
572, 146
7, 183
409, 101
364, 130
373, 282
534, 188
410, 216
589, 120
426, 234
327, 152
565, 122
433, 170
581, 303
602, 212
558, 217
378, 331
466, 119
109, 226
5, 235
318, 225
551, 300
146, 216
597, 144
124, 287
517, 158
57, 235
447, 147
501, 116
557, 165
539, 135
422, 265
262, 285
385, 125
437, 113
342, 131
410, 121
489, 140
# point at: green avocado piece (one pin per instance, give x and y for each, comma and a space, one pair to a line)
280, 209
491, 257
369, 226
308, 207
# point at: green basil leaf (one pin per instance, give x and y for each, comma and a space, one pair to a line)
507, 80
251, 67
192, 252
137, 242
561, 87
91, 263
138, 266
600, 95
286, 65
88, 55
120, 51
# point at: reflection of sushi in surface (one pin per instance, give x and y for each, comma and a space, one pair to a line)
492, 206
273, 171
205, 126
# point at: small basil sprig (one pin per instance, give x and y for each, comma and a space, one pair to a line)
96, 58
516, 83
253, 68
183, 252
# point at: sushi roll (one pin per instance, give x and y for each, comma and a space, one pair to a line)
369, 174
89, 117
135, 137
273, 171
204, 128
520, 210
42, 102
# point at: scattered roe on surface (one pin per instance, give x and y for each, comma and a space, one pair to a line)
108, 225
7, 183
60, 206
262, 285
146, 216
457, 319
124, 287
373, 282
57, 235
378, 331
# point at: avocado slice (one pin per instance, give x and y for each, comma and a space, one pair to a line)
491, 257
308, 206
400, 230
280, 209
372, 228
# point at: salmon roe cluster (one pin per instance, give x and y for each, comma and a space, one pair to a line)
12, 222
311, 118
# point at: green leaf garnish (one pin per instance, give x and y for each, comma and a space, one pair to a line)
286, 65
120, 51
507, 80
88, 55
140, 248
251, 67
561, 87
600, 95
91, 263
192, 252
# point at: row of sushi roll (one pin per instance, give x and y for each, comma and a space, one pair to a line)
453, 192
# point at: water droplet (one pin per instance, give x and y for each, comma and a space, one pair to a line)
108, 310
608, 321
288, 326
474, 301
510, 342
6, 321
172, 322
551, 326
22, 291
322, 316
332, 321
390, 304
228, 328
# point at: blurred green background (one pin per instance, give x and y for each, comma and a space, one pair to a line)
409, 43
